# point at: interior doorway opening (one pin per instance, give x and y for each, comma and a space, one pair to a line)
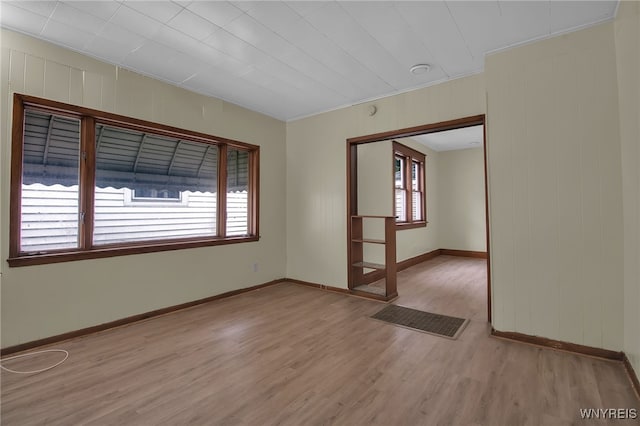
389, 203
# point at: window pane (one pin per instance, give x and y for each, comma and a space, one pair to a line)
401, 205
151, 194
399, 172
417, 206
237, 192
415, 175
153, 187
50, 175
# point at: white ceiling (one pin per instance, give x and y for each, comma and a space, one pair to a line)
298, 58
449, 140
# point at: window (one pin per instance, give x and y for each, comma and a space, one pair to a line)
409, 183
144, 194
90, 184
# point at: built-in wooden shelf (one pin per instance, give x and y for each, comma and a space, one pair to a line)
358, 280
369, 265
369, 240
371, 289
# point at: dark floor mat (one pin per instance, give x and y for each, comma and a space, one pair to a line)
440, 325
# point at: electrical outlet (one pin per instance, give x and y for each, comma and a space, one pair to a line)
255, 267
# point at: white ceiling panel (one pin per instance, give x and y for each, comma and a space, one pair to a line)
317, 71
276, 16
227, 63
207, 80
574, 14
296, 79
526, 21
217, 12
135, 22
298, 32
192, 25
228, 88
245, 6
183, 3
255, 34
237, 48
21, 19
327, 52
77, 18
145, 57
340, 27
162, 11
473, 20
117, 34
101, 9
296, 58
268, 81
66, 35
449, 140
43, 8
433, 23
289, 97
180, 67
303, 8
110, 50
385, 24
179, 41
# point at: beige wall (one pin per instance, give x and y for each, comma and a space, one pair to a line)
461, 204
375, 179
375, 182
455, 199
375, 197
42, 301
555, 189
316, 170
627, 39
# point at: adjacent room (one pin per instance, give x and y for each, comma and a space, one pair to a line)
433, 197
314, 212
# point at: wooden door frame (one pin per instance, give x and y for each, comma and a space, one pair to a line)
352, 175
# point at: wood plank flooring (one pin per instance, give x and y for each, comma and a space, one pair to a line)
294, 355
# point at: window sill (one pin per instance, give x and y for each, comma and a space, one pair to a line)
112, 251
411, 225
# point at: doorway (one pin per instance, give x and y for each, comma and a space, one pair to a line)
355, 155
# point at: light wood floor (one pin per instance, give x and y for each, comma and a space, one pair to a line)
294, 355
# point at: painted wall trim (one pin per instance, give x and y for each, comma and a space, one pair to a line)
464, 253
374, 276
559, 345
633, 377
129, 320
576, 349
316, 285
170, 309
346, 291
412, 261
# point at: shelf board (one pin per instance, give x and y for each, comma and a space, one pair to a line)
371, 289
369, 265
370, 240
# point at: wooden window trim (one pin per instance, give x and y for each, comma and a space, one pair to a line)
403, 187
86, 249
351, 182
410, 155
